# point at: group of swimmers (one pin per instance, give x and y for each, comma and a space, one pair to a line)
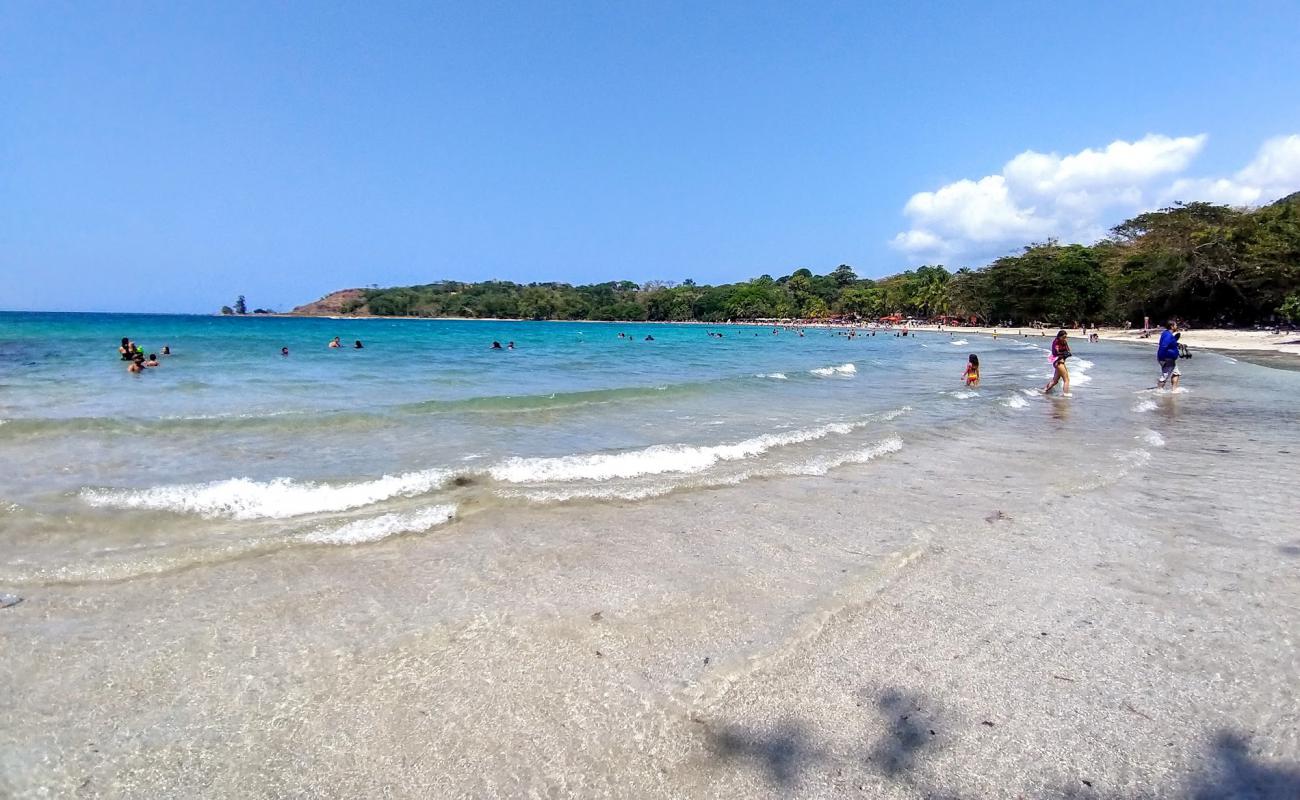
134, 353
1169, 351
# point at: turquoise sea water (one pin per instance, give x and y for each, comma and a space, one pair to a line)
229, 449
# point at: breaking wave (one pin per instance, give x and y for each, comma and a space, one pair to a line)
381, 527
842, 369
281, 498
654, 460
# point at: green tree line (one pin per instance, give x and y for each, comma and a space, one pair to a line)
1205, 263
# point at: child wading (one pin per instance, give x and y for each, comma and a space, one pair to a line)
972, 373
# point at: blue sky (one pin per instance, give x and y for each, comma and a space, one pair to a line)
167, 157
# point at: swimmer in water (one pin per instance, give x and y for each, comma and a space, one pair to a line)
335, 342
649, 338
510, 345
136, 365
358, 345
284, 351
167, 350
153, 360
497, 345
126, 351
972, 373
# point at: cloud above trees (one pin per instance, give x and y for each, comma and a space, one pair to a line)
1076, 197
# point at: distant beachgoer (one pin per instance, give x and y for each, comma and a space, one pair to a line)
972, 373
284, 351
497, 345
358, 345
1167, 354
510, 345
153, 360
167, 350
335, 342
126, 351
1060, 373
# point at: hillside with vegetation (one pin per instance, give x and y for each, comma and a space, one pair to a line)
1205, 263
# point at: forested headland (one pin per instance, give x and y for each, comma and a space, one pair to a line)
1204, 263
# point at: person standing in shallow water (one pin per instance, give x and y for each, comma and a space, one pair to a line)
1060, 373
1167, 354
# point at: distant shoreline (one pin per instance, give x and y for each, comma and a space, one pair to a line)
1205, 338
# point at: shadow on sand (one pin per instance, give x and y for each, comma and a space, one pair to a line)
790, 761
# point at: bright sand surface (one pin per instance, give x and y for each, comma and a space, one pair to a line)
991, 594
1208, 338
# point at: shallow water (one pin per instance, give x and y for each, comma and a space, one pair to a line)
229, 449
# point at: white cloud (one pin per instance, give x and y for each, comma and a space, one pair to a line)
1122, 165
1274, 172
1077, 197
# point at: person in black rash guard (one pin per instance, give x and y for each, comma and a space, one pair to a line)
126, 351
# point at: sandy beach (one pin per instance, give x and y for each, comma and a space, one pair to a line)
1208, 338
966, 620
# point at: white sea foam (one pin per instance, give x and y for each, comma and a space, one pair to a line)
654, 460
1151, 437
823, 464
817, 466
963, 394
959, 342
242, 498
842, 369
382, 526
1014, 401
1144, 406
1134, 458
1079, 371
776, 376
894, 414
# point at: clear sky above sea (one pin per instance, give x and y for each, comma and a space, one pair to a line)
168, 156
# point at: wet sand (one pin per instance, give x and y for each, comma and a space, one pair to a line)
1030, 634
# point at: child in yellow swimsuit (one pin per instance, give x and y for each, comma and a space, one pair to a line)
972, 374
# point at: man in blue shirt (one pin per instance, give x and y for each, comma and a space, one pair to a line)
1167, 355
